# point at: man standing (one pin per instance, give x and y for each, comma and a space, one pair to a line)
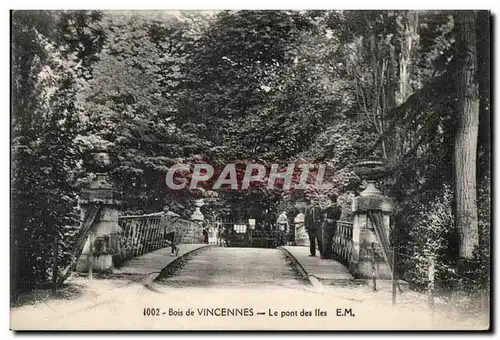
312, 223
331, 215
220, 234
169, 219
283, 227
205, 231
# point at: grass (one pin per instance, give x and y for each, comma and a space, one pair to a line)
67, 291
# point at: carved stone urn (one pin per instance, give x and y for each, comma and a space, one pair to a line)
100, 162
301, 205
371, 170
197, 215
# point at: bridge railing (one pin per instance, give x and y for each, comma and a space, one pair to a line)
342, 242
141, 234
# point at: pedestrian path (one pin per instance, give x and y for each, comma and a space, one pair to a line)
227, 267
154, 261
327, 270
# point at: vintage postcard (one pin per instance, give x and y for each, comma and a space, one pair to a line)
250, 170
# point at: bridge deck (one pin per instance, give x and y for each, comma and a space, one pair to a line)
321, 269
154, 261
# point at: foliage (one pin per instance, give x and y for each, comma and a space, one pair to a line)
430, 227
322, 87
131, 105
45, 157
483, 269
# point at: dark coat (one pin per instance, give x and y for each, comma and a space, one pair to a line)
313, 218
332, 214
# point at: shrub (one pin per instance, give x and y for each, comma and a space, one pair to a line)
430, 231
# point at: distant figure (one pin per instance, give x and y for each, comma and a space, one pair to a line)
220, 234
283, 227
331, 215
282, 222
205, 232
169, 231
312, 224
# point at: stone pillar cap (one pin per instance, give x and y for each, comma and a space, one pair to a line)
197, 216
300, 218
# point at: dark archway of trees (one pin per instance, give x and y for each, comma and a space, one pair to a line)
264, 87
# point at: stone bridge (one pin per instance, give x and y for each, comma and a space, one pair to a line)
108, 240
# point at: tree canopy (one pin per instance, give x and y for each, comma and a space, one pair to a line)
160, 88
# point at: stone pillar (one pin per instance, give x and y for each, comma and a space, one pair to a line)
371, 199
105, 229
301, 237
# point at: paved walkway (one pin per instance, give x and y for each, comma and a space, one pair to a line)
330, 270
236, 267
154, 261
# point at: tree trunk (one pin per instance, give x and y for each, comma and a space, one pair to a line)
483, 73
466, 134
408, 26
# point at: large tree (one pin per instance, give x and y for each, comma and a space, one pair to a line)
131, 102
466, 134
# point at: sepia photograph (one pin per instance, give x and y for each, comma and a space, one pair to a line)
250, 170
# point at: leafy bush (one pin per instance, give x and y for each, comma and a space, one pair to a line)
430, 230
46, 160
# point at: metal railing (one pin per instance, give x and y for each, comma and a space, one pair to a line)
141, 234
342, 242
